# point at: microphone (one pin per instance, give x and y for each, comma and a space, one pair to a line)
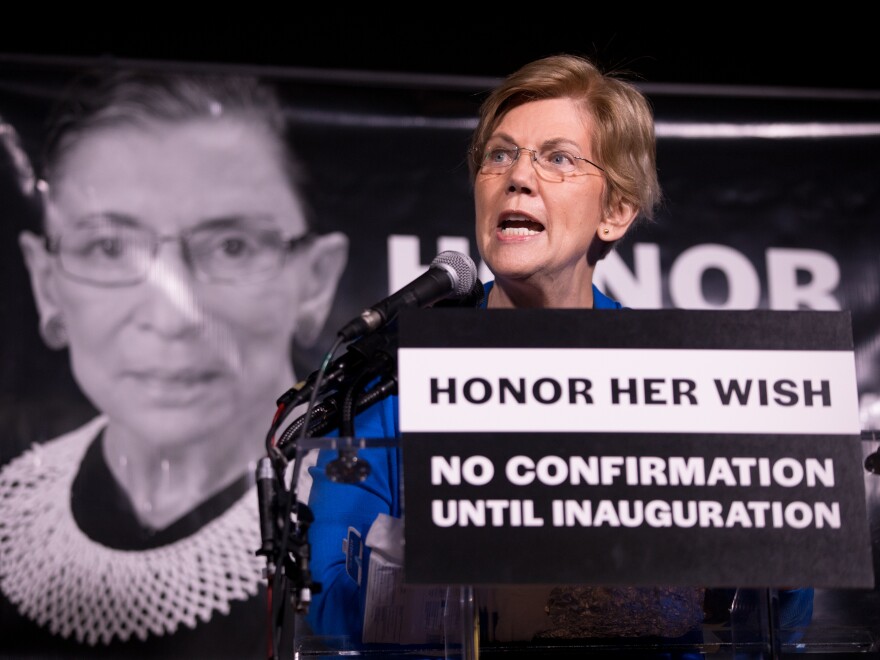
266, 500
474, 298
450, 274
375, 351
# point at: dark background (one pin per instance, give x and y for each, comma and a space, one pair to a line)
723, 44
816, 194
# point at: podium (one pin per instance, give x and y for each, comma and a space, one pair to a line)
652, 507
466, 622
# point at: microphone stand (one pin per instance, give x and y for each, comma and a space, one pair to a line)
285, 521
338, 410
284, 525
366, 374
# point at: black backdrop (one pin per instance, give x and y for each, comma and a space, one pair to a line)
749, 170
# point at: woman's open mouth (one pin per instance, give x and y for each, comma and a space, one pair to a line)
519, 225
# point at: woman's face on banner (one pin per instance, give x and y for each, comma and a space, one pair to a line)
173, 356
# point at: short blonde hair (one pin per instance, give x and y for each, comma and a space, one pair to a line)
624, 143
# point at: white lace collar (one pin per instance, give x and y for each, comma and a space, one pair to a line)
63, 580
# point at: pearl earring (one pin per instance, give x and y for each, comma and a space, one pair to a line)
53, 332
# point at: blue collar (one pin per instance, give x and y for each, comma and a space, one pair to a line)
600, 300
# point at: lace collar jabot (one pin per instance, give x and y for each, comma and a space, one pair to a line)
63, 580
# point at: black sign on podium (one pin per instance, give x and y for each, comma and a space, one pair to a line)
655, 447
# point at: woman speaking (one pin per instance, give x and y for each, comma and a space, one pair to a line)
562, 163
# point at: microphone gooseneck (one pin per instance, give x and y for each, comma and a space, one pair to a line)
450, 274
